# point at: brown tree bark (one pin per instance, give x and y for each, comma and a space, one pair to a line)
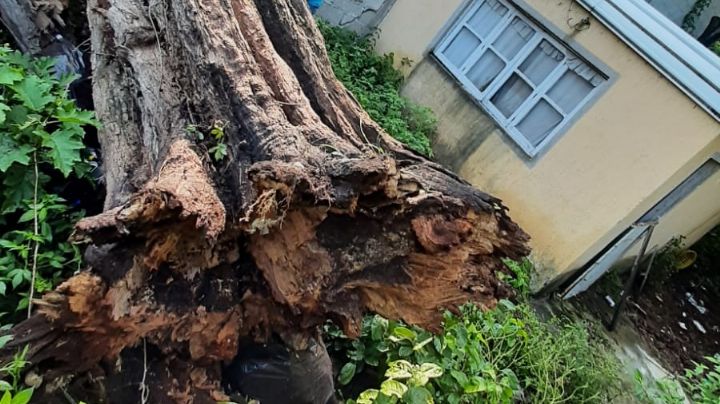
315, 213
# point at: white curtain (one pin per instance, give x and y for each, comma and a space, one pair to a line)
539, 122
487, 17
541, 61
511, 95
485, 69
570, 90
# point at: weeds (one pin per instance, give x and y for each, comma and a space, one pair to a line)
499, 356
373, 80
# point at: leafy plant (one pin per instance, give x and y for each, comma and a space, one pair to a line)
703, 381
12, 394
663, 391
405, 383
216, 139
498, 356
373, 80
42, 139
521, 273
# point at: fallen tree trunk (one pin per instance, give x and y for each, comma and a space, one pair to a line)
314, 213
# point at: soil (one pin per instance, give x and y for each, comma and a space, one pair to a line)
665, 312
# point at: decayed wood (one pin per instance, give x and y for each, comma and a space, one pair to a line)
315, 213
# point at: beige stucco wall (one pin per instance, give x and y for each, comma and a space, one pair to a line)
633, 145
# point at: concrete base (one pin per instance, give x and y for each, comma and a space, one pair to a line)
361, 16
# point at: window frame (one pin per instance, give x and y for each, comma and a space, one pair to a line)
540, 92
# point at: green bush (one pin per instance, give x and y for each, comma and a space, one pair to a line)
702, 383
42, 138
373, 80
499, 356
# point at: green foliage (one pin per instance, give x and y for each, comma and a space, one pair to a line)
702, 383
405, 383
716, 48
215, 139
373, 80
663, 391
521, 273
10, 383
42, 137
696, 11
499, 356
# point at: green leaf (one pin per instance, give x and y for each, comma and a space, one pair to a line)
4, 340
3, 108
400, 369
33, 92
27, 216
346, 373
9, 74
418, 395
5, 386
393, 388
18, 187
3, 289
403, 333
431, 370
378, 325
366, 397
12, 152
475, 385
421, 344
65, 146
22, 397
405, 351
17, 280
6, 398
459, 377
77, 116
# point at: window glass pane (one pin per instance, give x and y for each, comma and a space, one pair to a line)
539, 122
541, 61
569, 91
487, 17
513, 38
485, 69
509, 97
461, 47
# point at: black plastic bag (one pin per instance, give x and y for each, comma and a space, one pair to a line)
273, 374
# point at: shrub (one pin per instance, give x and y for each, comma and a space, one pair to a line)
702, 383
41, 144
373, 80
499, 356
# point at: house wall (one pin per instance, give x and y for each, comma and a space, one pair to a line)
692, 217
361, 16
637, 141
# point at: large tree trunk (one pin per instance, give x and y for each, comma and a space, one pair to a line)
315, 213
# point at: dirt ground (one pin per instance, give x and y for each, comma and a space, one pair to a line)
677, 314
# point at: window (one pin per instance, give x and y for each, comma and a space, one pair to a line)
528, 82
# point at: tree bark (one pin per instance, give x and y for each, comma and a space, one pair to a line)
315, 213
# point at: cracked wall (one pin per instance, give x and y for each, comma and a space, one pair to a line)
361, 16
